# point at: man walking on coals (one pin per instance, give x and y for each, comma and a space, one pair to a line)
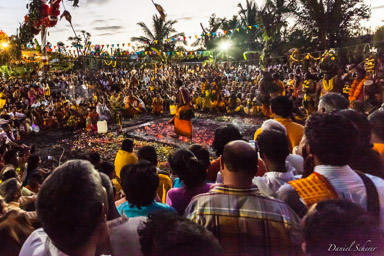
182, 119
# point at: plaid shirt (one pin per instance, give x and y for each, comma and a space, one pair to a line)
247, 222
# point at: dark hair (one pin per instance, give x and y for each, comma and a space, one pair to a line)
107, 184
9, 156
332, 138
202, 154
8, 189
140, 183
172, 235
338, 222
190, 170
33, 162
333, 101
127, 145
9, 175
364, 159
274, 144
107, 168
281, 106
69, 204
94, 158
179, 82
240, 160
376, 119
224, 135
148, 153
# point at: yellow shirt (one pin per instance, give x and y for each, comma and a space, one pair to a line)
122, 159
295, 131
165, 184
379, 148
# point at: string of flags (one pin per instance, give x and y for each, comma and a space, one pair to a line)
222, 33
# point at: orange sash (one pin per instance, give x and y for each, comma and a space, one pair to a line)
314, 188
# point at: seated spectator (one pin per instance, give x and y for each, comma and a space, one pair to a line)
340, 227
172, 235
281, 108
364, 159
333, 178
125, 156
140, 183
35, 182
273, 149
193, 174
148, 153
245, 221
67, 227
14, 230
376, 119
11, 161
332, 102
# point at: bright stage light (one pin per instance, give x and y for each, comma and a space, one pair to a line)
4, 45
225, 45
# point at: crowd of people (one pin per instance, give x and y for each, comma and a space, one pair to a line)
316, 189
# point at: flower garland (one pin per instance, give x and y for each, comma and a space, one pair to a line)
328, 84
356, 88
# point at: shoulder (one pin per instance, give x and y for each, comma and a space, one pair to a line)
35, 243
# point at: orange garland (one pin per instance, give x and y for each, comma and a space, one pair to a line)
356, 89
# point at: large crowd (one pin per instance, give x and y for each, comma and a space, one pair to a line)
313, 189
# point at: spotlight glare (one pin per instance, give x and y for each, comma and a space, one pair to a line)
225, 45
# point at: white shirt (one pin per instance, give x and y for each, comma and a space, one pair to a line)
347, 184
270, 182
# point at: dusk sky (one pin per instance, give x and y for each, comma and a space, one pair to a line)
114, 21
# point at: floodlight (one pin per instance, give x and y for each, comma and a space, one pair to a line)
225, 45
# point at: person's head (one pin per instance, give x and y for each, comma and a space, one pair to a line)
107, 168
339, 223
376, 120
271, 124
72, 206
281, 106
10, 190
189, 169
179, 83
6, 127
202, 154
148, 153
332, 138
362, 123
14, 230
238, 163
140, 183
95, 159
127, 145
107, 184
332, 102
35, 180
33, 162
11, 157
273, 146
223, 135
172, 235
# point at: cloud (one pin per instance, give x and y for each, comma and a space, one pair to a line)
106, 34
186, 18
90, 2
109, 28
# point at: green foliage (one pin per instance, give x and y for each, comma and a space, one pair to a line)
378, 39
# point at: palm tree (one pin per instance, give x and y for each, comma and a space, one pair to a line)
162, 30
249, 17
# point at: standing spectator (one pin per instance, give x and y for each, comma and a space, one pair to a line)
193, 174
140, 183
245, 221
376, 119
67, 227
274, 149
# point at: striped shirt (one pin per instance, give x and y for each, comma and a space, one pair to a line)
247, 222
